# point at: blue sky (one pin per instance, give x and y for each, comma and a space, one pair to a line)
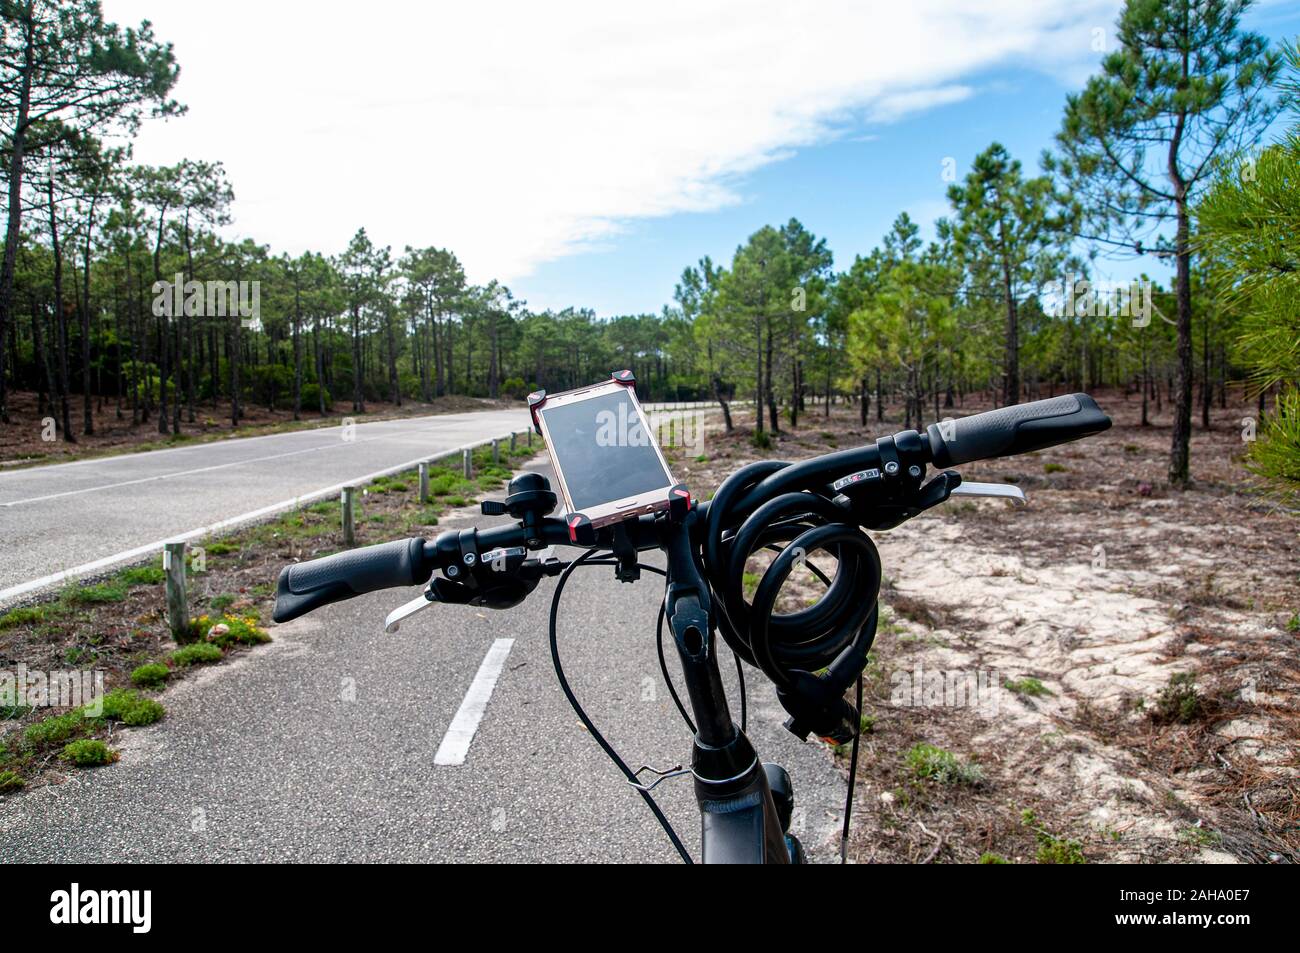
848, 190
585, 152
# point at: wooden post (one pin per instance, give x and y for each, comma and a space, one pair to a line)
512, 441
349, 516
424, 482
496, 450
178, 611
530, 436
467, 463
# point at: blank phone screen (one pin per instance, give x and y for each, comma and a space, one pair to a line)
603, 451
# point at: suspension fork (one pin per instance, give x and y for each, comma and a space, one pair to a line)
739, 819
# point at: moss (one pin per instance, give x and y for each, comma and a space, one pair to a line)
54, 730
89, 753
130, 708
988, 857
197, 653
151, 675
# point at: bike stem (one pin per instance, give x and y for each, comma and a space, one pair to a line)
739, 819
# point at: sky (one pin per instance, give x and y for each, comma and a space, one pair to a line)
585, 153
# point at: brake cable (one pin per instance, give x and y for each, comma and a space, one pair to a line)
586, 559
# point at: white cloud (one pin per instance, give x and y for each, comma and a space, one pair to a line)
894, 106
519, 133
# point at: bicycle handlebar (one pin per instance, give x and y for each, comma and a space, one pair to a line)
310, 585
1018, 429
1022, 428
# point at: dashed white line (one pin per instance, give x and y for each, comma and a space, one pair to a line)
460, 734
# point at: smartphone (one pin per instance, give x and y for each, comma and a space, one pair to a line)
610, 467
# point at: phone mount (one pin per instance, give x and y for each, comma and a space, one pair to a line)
537, 399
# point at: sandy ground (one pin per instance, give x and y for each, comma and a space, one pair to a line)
1103, 589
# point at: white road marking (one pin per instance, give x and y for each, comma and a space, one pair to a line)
460, 734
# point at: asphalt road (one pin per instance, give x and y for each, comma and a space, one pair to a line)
320, 747
71, 516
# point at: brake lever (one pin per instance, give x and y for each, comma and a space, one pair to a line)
500, 579
395, 618
1003, 491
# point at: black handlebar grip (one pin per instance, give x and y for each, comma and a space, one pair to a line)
1017, 429
310, 585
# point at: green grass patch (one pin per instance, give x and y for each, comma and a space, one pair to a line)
142, 575
220, 548
426, 517
10, 781
101, 594
1055, 468
24, 616
1200, 837
88, 753
196, 654
1053, 849
1026, 686
151, 675
220, 603
928, 762
988, 857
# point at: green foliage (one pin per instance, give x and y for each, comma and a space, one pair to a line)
990, 858
105, 592
1200, 837
1026, 686
199, 652
27, 615
1052, 849
311, 397
142, 575
241, 630
10, 781
88, 753
927, 761
1248, 222
1179, 701
150, 675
